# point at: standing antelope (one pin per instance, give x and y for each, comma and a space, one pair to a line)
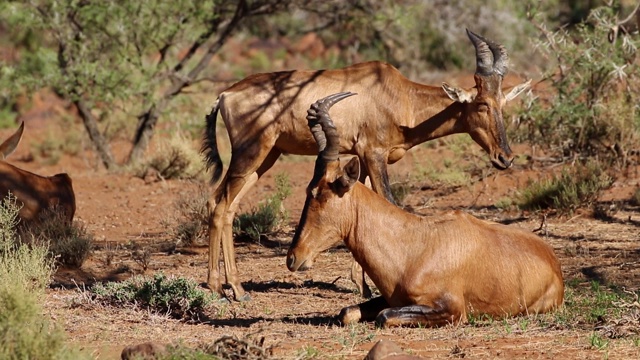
430, 271
35, 193
264, 117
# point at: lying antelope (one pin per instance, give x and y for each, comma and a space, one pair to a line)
430, 271
37, 194
264, 117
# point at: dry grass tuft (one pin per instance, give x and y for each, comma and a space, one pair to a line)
234, 348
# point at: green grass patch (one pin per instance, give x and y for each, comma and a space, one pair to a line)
178, 297
449, 174
573, 188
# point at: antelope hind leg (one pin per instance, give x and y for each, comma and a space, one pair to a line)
228, 249
214, 282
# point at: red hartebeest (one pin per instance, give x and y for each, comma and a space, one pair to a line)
36, 194
264, 117
430, 271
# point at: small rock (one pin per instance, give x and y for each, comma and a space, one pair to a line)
147, 351
388, 350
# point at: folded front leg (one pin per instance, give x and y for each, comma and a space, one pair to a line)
418, 315
366, 311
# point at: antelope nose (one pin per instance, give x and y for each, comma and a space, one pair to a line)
291, 259
506, 162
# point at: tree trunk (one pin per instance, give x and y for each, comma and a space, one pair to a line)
91, 125
146, 123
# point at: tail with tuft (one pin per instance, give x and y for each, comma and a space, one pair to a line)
210, 144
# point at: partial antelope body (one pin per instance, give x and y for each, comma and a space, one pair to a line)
35, 193
429, 270
264, 117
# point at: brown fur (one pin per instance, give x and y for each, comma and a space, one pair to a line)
36, 194
264, 116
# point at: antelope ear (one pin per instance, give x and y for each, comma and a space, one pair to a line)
458, 94
9, 145
517, 90
349, 177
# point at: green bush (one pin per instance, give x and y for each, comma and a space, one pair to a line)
25, 271
178, 297
399, 191
590, 107
268, 216
573, 188
175, 158
69, 244
635, 198
191, 217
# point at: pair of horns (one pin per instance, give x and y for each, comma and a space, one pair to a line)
322, 127
490, 57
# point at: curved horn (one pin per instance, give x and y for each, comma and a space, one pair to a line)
484, 55
322, 127
490, 57
500, 58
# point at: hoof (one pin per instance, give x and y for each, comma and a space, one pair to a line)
349, 315
224, 301
382, 320
243, 298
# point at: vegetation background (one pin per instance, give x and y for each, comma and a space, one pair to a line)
141, 75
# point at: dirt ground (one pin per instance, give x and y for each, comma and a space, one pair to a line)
294, 312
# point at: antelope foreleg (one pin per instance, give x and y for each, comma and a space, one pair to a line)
376, 167
417, 315
366, 311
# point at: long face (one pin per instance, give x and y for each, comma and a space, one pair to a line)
486, 124
324, 217
484, 110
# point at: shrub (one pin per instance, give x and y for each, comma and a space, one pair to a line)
591, 108
175, 158
576, 187
399, 191
635, 198
24, 273
178, 297
268, 216
27, 266
69, 244
191, 217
